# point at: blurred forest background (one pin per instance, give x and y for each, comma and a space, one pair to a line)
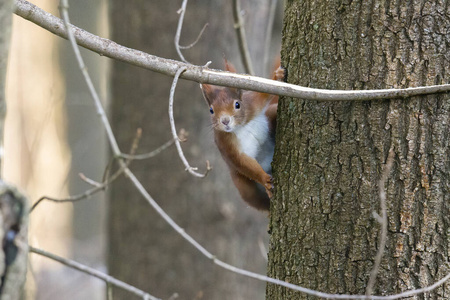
53, 133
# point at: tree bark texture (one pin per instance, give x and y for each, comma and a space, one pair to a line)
14, 236
329, 156
143, 249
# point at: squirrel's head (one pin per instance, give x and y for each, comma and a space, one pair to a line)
225, 106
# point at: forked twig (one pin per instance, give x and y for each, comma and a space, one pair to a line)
84, 195
149, 154
196, 40
181, 12
98, 186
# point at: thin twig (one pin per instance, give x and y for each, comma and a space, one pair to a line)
196, 40
108, 168
84, 195
181, 11
384, 223
109, 280
135, 143
89, 181
174, 130
149, 154
241, 37
202, 74
97, 185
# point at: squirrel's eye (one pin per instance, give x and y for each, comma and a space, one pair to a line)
237, 105
211, 110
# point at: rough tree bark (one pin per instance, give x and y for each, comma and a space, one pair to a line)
14, 236
329, 156
144, 250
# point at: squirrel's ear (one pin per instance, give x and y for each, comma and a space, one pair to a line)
229, 67
235, 93
208, 92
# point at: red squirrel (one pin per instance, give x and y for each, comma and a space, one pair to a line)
244, 125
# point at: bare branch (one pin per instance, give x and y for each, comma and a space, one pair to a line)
196, 40
202, 74
149, 154
242, 39
83, 195
109, 280
384, 223
174, 131
181, 12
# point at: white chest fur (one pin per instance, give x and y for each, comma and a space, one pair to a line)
255, 141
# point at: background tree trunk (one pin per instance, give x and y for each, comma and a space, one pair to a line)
13, 205
143, 249
329, 156
85, 135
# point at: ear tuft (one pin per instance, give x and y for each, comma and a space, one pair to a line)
208, 93
229, 67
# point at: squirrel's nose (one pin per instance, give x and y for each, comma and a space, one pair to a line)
225, 120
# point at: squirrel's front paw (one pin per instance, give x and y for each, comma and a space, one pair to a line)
269, 186
280, 74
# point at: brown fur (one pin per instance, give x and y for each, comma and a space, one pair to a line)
245, 171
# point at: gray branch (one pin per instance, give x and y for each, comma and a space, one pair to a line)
93, 272
202, 74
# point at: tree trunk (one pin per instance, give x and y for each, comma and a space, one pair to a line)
14, 236
143, 249
13, 205
329, 155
